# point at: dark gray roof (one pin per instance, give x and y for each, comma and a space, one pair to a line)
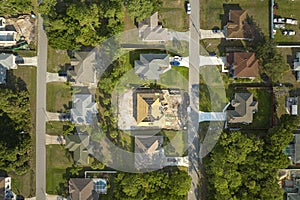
244, 108
80, 146
82, 189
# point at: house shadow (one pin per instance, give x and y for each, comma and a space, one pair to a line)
14, 83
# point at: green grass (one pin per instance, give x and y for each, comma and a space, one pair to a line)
175, 142
25, 185
175, 78
26, 53
58, 160
173, 16
289, 9
211, 13
59, 97
56, 60
56, 127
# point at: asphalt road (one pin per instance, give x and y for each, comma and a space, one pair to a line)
194, 63
40, 113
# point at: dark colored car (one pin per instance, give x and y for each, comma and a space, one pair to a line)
175, 63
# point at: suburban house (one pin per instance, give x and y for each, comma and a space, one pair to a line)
5, 189
242, 64
293, 150
80, 147
151, 31
237, 27
244, 107
7, 38
149, 153
296, 67
290, 183
151, 66
84, 69
7, 62
157, 109
84, 109
292, 105
87, 188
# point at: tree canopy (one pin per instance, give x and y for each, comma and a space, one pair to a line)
153, 185
15, 123
245, 166
77, 23
271, 59
14, 7
141, 9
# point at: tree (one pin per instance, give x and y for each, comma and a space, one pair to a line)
141, 9
14, 7
245, 166
153, 185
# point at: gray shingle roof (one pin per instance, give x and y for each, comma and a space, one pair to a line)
244, 108
84, 109
82, 189
150, 30
151, 66
7, 61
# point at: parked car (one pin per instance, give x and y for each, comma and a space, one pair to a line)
175, 63
171, 159
288, 32
216, 31
188, 8
177, 58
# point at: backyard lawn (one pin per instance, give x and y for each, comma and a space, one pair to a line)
56, 59
263, 117
56, 127
59, 97
58, 160
28, 75
211, 12
288, 9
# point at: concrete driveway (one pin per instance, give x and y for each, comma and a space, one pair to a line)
50, 116
55, 139
205, 61
27, 61
212, 116
209, 34
54, 77
176, 161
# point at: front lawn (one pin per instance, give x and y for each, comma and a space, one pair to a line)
59, 97
212, 12
58, 160
175, 142
57, 59
57, 127
173, 15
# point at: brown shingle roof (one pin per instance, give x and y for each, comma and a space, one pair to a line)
244, 64
82, 189
236, 27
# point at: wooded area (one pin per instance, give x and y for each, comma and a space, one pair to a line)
15, 143
245, 165
158, 185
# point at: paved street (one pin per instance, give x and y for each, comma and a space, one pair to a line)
194, 63
40, 113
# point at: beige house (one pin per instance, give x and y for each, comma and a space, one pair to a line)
244, 108
151, 31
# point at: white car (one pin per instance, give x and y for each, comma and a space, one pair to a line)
188, 8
